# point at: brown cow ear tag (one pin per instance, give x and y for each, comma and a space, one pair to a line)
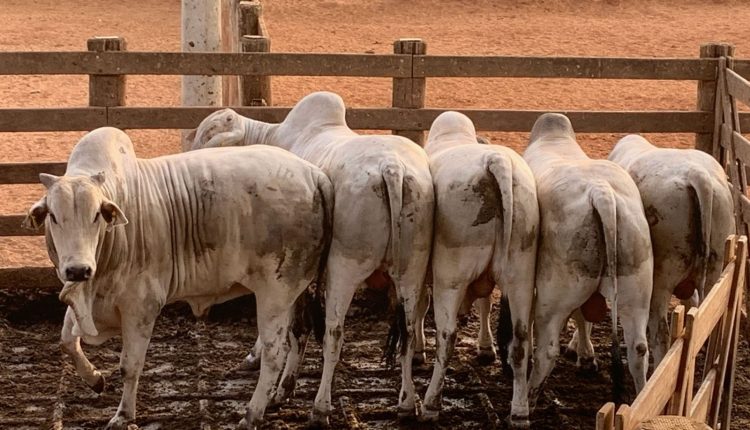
74, 295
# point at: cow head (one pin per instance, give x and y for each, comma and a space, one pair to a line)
222, 128
75, 212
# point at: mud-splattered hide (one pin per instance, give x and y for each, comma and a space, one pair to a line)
486, 227
594, 240
382, 217
689, 210
129, 236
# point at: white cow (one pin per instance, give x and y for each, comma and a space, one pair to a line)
382, 217
204, 227
690, 212
594, 244
486, 227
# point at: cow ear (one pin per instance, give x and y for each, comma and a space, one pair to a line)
35, 218
48, 180
112, 215
99, 178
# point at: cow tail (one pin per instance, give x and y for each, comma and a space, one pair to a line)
393, 178
603, 201
317, 304
501, 168
700, 182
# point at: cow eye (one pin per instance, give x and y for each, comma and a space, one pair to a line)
96, 217
52, 217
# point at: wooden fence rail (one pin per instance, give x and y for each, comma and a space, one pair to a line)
408, 66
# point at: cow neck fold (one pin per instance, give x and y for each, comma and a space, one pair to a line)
260, 133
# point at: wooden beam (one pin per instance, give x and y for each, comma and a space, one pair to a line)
10, 225
204, 63
565, 67
739, 87
712, 308
28, 173
52, 119
28, 277
701, 401
741, 147
421, 119
707, 90
605, 417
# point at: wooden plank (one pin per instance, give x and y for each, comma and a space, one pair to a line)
10, 225
725, 410
702, 399
745, 208
204, 63
622, 419
605, 417
660, 386
742, 67
28, 173
565, 67
28, 277
52, 119
738, 87
255, 90
421, 119
741, 147
712, 308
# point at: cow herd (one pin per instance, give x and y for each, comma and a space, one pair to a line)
305, 212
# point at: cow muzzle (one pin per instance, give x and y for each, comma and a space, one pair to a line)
78, 273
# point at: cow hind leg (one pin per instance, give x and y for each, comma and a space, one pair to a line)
486, 353
446, 301
339, 293
273, 325
658, 323
297, 346
71, 345
547, 326
422, 305
580, 345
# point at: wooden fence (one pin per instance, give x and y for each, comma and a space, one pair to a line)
715, 324
108, 63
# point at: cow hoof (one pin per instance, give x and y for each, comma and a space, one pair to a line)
99, 385
519, 422
118, 422
405, 413
318, 419
587, 365
244, 425
250, 422
252, 362
486, 356
429, 415
418, 359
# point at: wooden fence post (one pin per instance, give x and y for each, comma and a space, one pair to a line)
409, 92
707, 91
254, 90
106, 90
230, 42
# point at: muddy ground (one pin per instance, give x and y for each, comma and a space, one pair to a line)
191, 378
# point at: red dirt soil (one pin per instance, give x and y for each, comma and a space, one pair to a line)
672, 28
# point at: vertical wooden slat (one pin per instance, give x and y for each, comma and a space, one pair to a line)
723, 410
230, 42
409, 93
106, 90
254, 90
707, 91
605, 417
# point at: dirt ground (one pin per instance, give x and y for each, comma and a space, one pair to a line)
181, 373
